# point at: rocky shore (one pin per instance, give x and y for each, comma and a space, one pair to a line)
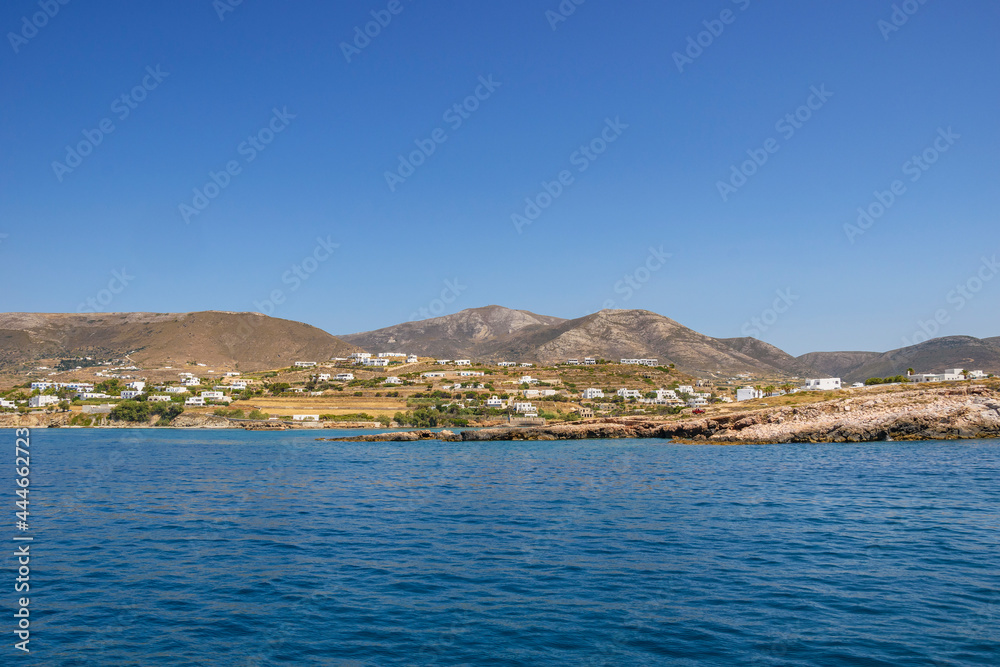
946, 413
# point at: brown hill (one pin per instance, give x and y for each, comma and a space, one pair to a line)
837, 364
496, 333
932, 356
248, 341
771, 356
465, 334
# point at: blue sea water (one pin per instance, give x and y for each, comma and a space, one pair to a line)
156, 547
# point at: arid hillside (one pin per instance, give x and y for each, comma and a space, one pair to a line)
248, 341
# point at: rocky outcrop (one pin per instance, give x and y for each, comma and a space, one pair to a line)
919, 414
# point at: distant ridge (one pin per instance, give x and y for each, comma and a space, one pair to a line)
249, 341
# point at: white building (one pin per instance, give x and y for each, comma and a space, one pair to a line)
629, 393
494, 402
393, 380
527, 379
590, 394
42, 401
175, 390
697, 402
573, 362
412, 359
548, 392
524, 407
344, 377
526, 365
822, 384
443, 362
589, 361
212, 395
507, 364
4, 403
471, 374
386, 355
191, 381
432, 375
663, 394
130, 394
159, 399
358, 356
89, 395
748, 394
640, 362
305, 364
305, 418
463, 362
136, 385
975, 375
232, 374
195, 400
530, 393
378, 362
323, 377
685, 389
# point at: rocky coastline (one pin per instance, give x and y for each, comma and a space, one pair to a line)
951, 413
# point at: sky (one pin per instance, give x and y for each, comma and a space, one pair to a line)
820, 175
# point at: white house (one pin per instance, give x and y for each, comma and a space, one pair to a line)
381, 362
471, 374
129, 394
176, 390
393, 380
386, 355
697, 402
432, 375
822, 384
4, 403
195, 400
323, 377
212, 395
526, 365
629, 393
305, 364
136, 385
305, 418
524, 407
573, 362
748, 394
663, 394
494, 402
530, 393
191, 381
548, 392
344, 377
42, 401
442, 362
463, 362
640, 362
358, 356
412, 359
590, 394
159, 399
527, 379
507, 364
685, 389
589, 361
232, 374
88, 395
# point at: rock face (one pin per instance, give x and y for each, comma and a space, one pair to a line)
939, 414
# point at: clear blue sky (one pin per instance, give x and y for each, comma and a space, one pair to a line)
323, 175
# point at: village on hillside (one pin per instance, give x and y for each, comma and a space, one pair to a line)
390, 389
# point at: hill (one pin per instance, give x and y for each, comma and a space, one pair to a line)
248, 341
934, 355
495, 333
465, 334
772, 357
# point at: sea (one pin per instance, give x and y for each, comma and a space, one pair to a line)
203, 547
